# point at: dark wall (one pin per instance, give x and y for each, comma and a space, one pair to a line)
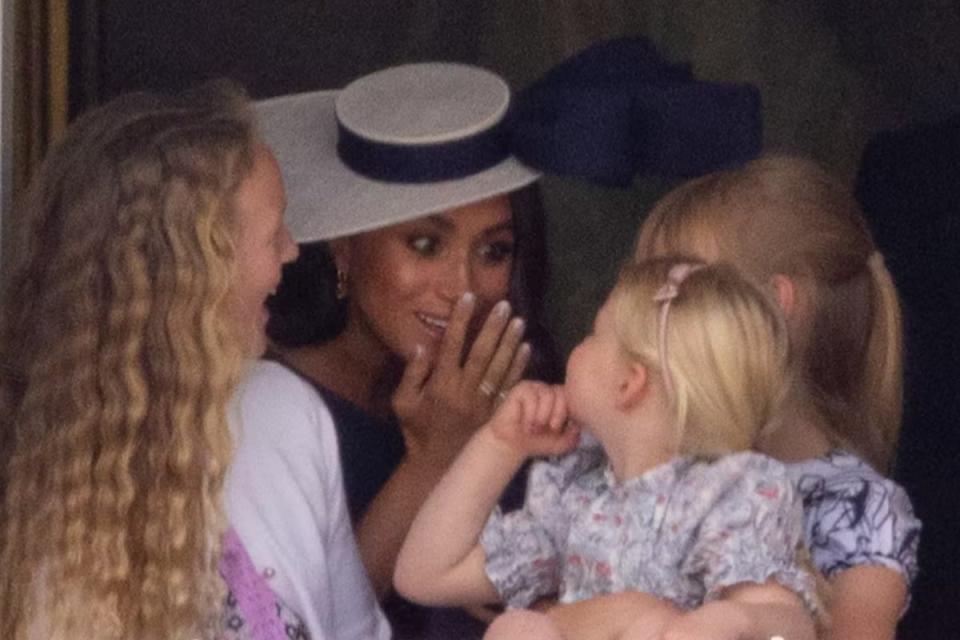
909, 184
271, 47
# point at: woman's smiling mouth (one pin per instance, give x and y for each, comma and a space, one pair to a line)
435, 325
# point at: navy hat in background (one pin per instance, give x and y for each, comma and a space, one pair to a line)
617, 110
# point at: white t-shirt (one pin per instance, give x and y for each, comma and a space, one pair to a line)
285, 498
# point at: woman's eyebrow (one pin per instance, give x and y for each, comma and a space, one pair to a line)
440, 220
503, 226
446, 224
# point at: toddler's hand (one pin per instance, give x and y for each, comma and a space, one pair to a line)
533, 421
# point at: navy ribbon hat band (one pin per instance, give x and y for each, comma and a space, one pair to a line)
611, 112
419, 163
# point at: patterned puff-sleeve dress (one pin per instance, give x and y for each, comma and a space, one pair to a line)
681, 531
855, 516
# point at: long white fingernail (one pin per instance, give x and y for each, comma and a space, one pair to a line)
418, 352
467, 298
518, 324
502, 308
525, 348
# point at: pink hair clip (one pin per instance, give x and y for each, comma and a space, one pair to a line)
665, 295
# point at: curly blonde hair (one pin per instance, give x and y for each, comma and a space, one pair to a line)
786, 215
119, 357
726, 349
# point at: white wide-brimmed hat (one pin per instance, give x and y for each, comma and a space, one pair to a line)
391, 147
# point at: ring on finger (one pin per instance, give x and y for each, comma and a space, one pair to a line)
486, 388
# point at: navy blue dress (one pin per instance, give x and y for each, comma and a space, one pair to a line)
371, 449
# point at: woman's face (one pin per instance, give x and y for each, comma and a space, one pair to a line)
263, 246
405, 279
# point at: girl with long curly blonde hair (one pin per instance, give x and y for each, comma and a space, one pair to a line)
149, 241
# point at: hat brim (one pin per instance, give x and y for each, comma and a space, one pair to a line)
326, 199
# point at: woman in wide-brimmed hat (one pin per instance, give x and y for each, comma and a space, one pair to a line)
403, 318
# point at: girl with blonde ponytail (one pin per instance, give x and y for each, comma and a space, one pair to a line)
799, 233
148, 243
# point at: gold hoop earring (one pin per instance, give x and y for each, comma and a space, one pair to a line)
341, 291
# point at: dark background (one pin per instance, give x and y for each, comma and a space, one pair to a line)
833, 75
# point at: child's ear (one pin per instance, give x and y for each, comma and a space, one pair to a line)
633, 386
786, 291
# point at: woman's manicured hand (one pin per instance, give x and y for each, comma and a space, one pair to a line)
441, 401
